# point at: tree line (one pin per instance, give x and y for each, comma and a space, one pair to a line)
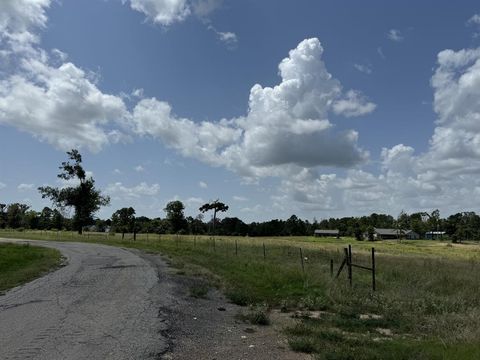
458, 227
86, 200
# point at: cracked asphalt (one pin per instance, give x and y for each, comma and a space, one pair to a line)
104, 304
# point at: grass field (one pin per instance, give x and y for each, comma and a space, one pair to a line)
22, 263
427, 303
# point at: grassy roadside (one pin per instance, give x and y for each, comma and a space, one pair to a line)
22, 263
426, 307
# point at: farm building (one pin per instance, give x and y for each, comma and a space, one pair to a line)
434, 235
327, 233
411, 235
386, 234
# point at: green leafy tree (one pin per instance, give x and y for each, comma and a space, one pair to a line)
16, 215
31, 219
123, 220
58, 220
3, 216
358, 231
216, 206
175, 217
45, 221
85, 199
371, 233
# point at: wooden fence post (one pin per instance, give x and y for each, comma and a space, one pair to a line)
264, 252
331, 268
236, 248
349, 263
373, 269
301, 258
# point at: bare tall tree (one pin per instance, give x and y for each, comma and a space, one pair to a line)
216, 206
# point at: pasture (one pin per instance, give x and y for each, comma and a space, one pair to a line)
427, 303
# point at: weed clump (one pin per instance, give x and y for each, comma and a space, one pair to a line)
256, 316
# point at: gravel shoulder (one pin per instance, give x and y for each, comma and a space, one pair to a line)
208, 328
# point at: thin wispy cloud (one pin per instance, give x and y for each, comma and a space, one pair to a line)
228, 38
474, 20
25, 187
380, 53
395, 35
366, 69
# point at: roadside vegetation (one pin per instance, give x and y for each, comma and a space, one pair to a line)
22, 263
426, 305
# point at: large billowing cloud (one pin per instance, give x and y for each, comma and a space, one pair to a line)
287, 125
55, 101
59, 105
446, 176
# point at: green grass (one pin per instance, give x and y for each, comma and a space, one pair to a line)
22, 263
427, 291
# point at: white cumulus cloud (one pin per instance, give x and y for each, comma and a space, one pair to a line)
163, 12
119, 191
57, 103
286, 125
60, 105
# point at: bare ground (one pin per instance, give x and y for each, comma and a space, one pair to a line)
209, 329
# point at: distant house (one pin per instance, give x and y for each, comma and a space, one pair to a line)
327, 233
386, 234
434, 235
411, 235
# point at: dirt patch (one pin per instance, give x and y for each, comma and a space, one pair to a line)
209, 328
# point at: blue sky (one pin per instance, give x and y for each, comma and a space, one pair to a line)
315, 108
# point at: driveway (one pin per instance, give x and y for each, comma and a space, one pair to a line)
104, 304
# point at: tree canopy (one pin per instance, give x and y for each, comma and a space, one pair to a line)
84, 198
215, 206
175, 216
123, 220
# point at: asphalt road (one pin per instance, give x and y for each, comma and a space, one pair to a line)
103, 305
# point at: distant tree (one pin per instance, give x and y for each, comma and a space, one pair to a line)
371, 233
84, 197
123, 220
294, 226
358, 232
58, 220
45, 219
3, 216
175, 216
31, 219
233, 226
16, 215
216, 206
